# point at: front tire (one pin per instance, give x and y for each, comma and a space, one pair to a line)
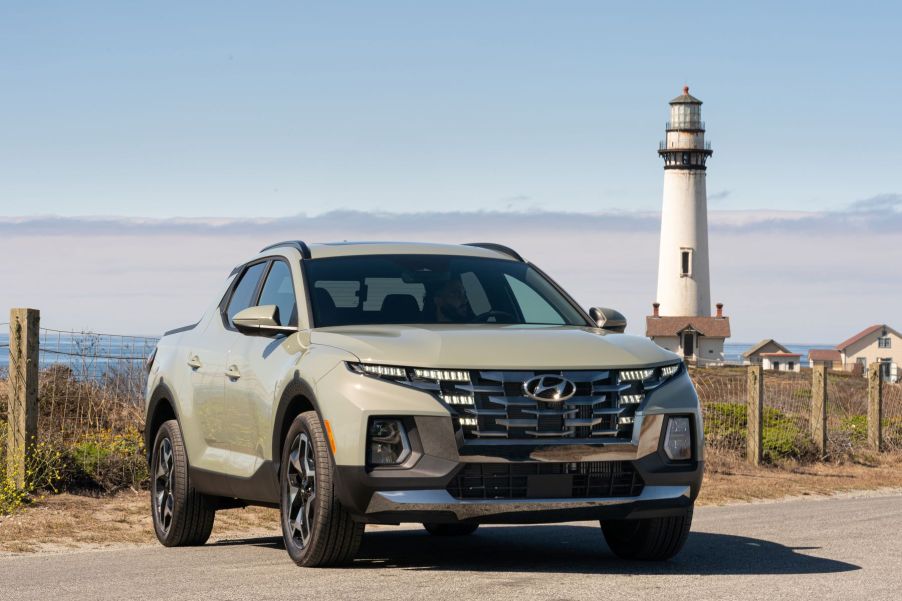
652, 539
181, 515
317, 530
450, 529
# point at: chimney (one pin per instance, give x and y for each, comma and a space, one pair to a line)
719, 310
655, 307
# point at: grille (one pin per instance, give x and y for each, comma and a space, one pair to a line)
534, 480
492, 404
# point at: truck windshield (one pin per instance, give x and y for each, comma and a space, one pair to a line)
431, 289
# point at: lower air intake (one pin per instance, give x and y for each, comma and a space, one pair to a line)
597, 479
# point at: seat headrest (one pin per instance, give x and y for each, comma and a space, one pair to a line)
400, 308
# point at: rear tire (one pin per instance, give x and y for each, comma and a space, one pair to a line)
450, 529
182, 516
652, 539
317, 530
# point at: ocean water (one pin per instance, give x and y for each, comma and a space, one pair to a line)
88, 355
733, 350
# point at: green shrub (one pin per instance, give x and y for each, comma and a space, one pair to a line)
107, 460
783, 438
855, 427
726, 426
43, 468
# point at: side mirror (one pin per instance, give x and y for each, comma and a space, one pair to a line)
608, 319
260, 320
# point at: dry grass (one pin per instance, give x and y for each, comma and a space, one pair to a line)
732, 480
69, 522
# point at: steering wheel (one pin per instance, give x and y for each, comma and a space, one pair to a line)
484, 317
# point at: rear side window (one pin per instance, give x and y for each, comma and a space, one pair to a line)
279, 291
243, 296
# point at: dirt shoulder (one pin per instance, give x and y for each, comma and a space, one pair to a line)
66, 522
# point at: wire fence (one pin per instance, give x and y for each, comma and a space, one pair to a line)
91, 387
787, 416
847, 414
722, 393
90, 406
892, 416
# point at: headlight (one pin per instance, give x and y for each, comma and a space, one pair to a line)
678, 440
650, 377
388, 444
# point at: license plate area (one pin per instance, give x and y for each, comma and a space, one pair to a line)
549, 486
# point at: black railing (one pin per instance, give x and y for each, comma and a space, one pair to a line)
686, 124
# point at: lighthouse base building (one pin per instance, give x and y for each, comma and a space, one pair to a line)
681, 320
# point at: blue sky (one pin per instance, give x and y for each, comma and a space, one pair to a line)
206, 129
266, 109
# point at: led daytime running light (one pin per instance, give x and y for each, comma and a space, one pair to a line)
452, 375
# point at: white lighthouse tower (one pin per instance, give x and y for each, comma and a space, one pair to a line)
682, 318
684, 285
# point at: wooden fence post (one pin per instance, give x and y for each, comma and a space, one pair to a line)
875, 407
819, 408
755, 443
22, 427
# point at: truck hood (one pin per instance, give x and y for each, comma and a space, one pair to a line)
488, 346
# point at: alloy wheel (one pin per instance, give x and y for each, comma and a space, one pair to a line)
163, 482
301, 490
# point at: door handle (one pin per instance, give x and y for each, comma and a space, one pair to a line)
194, 362
233, 373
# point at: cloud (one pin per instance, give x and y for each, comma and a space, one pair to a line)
718, 196
795, 276
879, 213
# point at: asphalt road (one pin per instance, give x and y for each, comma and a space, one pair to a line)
839, 548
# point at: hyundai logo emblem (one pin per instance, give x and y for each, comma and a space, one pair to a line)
549, 388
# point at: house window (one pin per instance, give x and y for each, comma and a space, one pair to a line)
790, 366
884, 342
685, 262
776, 365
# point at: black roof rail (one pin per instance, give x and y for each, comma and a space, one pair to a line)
498, 248
299, 245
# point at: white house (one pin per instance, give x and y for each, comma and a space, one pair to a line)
697, 339
781, 361
768, 345
829, 358
876, 344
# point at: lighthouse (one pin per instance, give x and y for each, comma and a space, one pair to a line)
681, 318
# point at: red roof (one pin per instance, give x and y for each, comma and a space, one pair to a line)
714, 327
824, 354
863, 334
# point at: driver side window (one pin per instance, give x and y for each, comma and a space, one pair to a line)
243, 295
278, 290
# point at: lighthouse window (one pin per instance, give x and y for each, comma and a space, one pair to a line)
685, 158
685, 263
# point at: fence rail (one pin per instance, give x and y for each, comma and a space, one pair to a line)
87, 392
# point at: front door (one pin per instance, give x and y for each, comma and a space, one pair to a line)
260, 363
688, 344
220, 421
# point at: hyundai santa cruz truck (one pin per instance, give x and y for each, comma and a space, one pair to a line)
447, 385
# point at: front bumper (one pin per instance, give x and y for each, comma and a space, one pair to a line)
419, 491
439, 506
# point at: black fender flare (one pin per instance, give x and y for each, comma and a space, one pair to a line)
297, 388
162, 392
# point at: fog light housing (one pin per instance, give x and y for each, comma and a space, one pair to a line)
388, 444
678, 440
